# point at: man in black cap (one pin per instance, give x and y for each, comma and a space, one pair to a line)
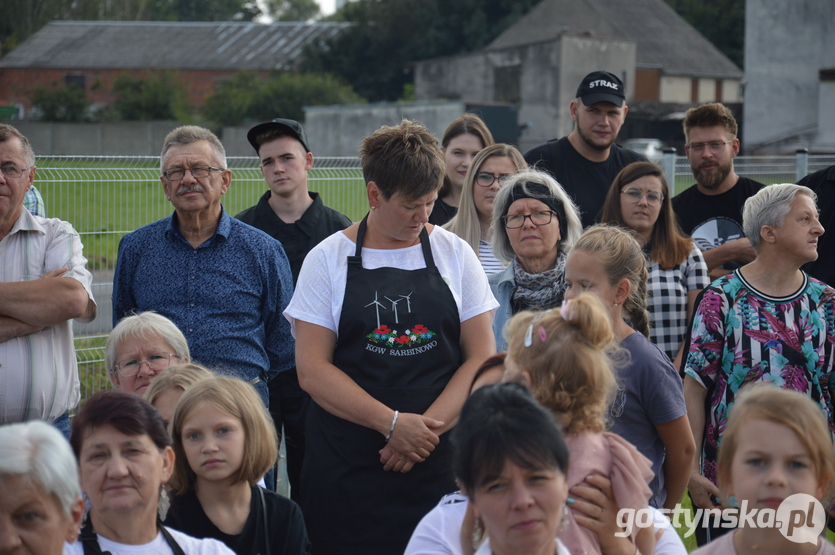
300, 220
586, 162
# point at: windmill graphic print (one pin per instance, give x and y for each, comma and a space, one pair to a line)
404, 333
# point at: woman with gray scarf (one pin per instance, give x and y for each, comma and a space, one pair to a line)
535, 223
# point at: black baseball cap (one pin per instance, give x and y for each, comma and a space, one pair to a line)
601, 86
290, 126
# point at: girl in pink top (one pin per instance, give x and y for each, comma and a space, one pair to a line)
565, 357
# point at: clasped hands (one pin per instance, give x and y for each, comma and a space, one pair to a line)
412, 441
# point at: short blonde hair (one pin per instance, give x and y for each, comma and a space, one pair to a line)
785, 407
569, 361
236, 398
180, 376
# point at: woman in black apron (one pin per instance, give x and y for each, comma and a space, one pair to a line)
389, 384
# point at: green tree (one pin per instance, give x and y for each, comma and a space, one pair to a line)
246, 97
66, 103
292, 10
722, 22
150, 97
388, 34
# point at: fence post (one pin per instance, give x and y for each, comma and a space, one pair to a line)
801, 164
668, 164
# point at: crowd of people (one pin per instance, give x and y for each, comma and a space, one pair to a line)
647, 345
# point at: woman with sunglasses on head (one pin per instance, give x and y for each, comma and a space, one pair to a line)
536, 223
639, 199
489, 172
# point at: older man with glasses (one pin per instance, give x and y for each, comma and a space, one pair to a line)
44, 284
223, 283
711, 210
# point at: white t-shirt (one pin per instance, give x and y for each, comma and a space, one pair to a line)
321, 285
438, 533
190, 546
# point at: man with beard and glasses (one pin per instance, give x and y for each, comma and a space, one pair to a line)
711, 210
586, 162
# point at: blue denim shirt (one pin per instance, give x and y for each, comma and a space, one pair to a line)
502, 286
227, 296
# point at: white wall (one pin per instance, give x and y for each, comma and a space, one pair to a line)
675, 89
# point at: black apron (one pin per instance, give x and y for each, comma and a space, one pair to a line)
398, 339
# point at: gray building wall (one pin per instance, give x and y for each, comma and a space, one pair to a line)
339, 130
138, 138
786, 45
549, 73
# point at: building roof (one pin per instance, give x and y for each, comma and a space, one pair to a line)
664, 39
167, 45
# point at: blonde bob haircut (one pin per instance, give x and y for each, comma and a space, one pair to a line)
180, 376
568, 363
236, 398
465, 223
785, 407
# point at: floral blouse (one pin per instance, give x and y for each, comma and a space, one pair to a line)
741, 336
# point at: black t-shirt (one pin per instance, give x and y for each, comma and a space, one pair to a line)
586, 182
287, 532
317, 223
713, 220
823, 184
442, 213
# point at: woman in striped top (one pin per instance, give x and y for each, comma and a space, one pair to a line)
490, 168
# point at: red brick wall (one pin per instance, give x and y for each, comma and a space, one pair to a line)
16, 83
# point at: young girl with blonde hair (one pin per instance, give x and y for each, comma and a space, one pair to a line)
564, 356
224, 441
649, 409
756, 473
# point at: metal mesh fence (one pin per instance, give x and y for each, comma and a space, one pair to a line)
106, 197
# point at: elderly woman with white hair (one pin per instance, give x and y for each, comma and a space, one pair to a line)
140, 347
40, 497
765, 322
535, 223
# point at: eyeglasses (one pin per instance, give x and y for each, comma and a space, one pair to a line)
714, 146
177, 174
537, 218
157, 361
634, 196
485, 179
13, 171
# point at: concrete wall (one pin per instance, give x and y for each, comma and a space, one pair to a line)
826, 116
731, 90
339, 130
675, 88
786, 45
96, 139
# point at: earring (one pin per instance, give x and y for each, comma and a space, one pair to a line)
616, 304
564, 520
478, 533
164, 503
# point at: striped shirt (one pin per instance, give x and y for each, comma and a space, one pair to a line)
489, 262
38, 372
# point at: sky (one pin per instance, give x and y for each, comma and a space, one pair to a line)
327, 6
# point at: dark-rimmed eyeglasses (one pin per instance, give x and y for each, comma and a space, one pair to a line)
714, 146
13, 171
176, 174
128, 368
634, 196
537, 218
486, 179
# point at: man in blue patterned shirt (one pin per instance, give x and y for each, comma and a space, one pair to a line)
225, 284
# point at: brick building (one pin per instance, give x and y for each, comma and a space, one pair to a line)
92, 54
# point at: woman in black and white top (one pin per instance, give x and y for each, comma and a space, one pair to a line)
489, 172
125, 459
639, 199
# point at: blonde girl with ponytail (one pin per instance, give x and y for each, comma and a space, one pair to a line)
648, 409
